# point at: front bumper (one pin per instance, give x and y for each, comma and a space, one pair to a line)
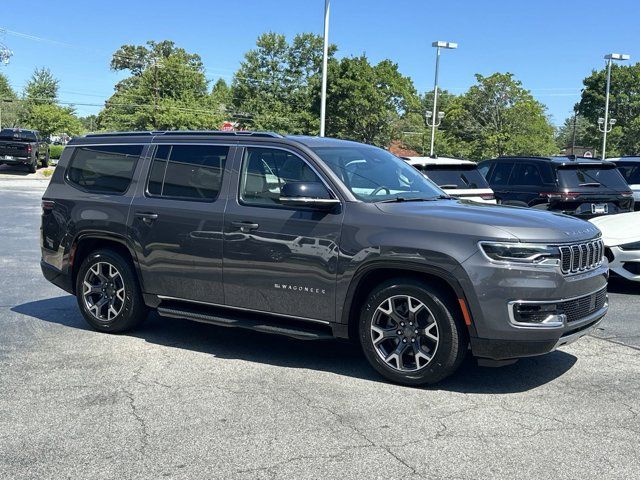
625, 258
493, 289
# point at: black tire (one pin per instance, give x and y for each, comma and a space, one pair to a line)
131, 312
451, 348
33, 167
45, 162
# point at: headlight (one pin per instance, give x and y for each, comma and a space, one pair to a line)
631, 246
522, 253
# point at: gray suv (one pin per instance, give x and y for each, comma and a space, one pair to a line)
314, 238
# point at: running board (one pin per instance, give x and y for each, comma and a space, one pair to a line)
252, 321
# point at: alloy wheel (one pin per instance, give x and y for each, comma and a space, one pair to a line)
103, 291
404, 333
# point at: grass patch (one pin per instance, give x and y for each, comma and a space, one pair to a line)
47, 172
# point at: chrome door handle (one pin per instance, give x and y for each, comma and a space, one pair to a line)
147, 217
245, 227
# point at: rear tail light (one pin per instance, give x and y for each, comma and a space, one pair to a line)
28, 148
560, 195
47, 206
488, 196
627, 194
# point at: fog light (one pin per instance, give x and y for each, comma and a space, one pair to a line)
537, 314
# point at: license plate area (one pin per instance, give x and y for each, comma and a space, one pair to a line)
9, 157
599, 208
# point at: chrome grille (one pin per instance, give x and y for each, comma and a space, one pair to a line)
581, 257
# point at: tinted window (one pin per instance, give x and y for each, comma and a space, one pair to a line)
571, 177
105, 169
189, 172
19, 135
484, 168
630, 172
501, 173
528, 174
373, 174
266, 170
455, 177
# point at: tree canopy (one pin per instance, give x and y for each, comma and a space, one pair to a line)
624, 106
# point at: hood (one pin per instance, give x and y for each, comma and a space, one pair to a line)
619, 229
493, 222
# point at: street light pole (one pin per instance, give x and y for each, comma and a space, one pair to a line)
438, 45
325, 60
608, 124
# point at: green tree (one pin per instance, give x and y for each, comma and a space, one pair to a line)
9, 105
365, 102
624, 106
42, 88
167, 90
277, 85
582, 129
49, 118
497, 116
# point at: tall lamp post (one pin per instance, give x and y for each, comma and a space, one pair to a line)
605, 125
325, 58
435, 114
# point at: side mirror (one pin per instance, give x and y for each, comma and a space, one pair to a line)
307, 194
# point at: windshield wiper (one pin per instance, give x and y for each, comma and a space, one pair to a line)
414, 199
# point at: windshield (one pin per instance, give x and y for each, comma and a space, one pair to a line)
373, 174
596, 176
459, 176
20, 135
630, 172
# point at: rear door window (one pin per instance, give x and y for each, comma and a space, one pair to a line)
501, 173
103, 169
596, 177
527, 175
187, 172
450, 177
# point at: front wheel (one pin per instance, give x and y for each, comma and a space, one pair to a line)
410, 332
108, 293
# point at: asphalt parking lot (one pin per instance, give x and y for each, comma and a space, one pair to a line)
183, 400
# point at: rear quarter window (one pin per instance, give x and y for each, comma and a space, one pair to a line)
103, 169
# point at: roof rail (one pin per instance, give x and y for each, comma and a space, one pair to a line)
187, 133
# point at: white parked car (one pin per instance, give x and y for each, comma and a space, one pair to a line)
630, 169
621, 235
459, 178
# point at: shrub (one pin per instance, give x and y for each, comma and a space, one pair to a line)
55, 151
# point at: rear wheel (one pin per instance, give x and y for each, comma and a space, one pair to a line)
45, 162
108, 293
410, 333
33, 166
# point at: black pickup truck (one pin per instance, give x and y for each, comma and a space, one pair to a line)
23, 147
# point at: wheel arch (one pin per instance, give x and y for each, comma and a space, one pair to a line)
372, 275
88, 242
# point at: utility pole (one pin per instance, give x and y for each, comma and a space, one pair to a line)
573, 141
605, 125
439, 115
325, 61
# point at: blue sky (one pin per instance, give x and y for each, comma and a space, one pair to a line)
549, 45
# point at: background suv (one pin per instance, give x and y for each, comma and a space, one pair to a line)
575, 186
458, 178
313, 238
630, 169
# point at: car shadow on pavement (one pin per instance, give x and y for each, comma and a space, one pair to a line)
14, 170
339, 357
